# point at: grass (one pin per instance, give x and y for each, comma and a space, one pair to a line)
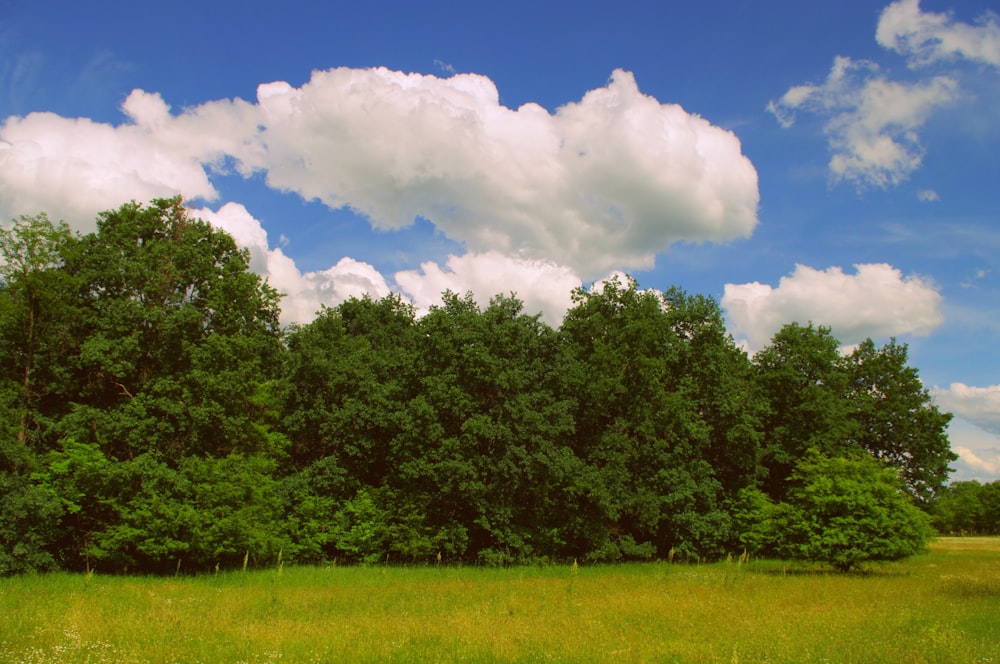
940, 607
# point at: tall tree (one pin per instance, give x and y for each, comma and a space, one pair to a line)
719, 380
649, 486
480, 426
178, 337
895, 419
803, 381
347, 380
36, 309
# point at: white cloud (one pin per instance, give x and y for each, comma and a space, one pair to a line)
979, 405
871, 122
603, 183
75, 168
928, 196
304, 294
877, 301
982, 464
543, 286
974, 432
927, 37
978, 451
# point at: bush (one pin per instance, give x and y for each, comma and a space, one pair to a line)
848, 511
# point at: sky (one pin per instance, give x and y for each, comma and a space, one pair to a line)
824, 162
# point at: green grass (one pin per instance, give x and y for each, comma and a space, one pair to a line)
940, 607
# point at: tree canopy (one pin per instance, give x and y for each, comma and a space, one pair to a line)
154, 414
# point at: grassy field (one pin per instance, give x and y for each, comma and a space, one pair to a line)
939, 607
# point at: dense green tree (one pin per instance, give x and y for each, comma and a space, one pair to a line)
481, 429
869, 400
309, 498
801, 377
82, 479
718, 379
36, 310
989, 496
642, 434
176, 337
153, 414
29, 525
847, 511
967, 508
894, 418
346, 381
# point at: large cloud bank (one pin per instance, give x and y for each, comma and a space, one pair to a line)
605, 182
877, 301
536, 197
600, 183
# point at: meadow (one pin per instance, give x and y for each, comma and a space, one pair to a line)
943, 606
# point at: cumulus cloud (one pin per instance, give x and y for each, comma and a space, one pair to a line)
927, 37
928, 196
979, 405
871, 122
543, 286
602, 183
877, 301
74, 168
979, 464
304, 293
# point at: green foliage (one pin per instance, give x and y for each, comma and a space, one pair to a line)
174, 332
847, 512
894, 418
29, 523
655, 412
36, 314
755, 522
153, 414
968, 508
869, 401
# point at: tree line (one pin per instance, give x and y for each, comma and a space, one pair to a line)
155, 416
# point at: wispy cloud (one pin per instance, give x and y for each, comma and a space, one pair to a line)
871, 123
927, 37
444, 66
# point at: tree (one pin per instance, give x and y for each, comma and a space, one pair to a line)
177, 338
643, 425
801, 377
36, 309
967, 508
869, 400
718, 378
895, 419
29, 523
847, 512
480, 428
346, 381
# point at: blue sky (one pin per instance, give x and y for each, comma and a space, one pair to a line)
809, 161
